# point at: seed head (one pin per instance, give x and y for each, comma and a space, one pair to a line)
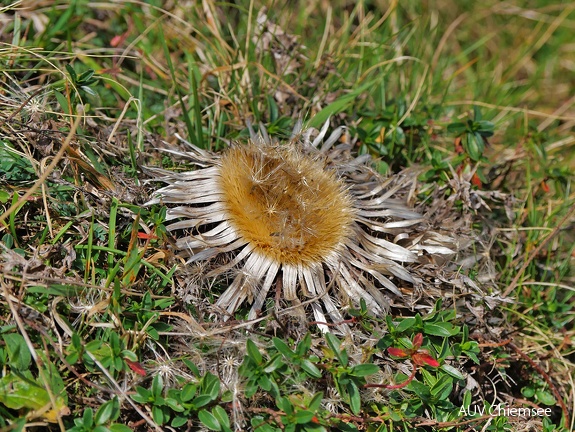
285, 204
307, 219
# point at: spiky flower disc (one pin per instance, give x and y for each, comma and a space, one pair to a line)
314, 221
285, 204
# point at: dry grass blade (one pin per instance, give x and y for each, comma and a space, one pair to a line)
46, 173
538, 249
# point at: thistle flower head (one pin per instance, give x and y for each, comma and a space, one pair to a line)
285, 204
303, 216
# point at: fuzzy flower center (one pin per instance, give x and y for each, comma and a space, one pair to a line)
284, 203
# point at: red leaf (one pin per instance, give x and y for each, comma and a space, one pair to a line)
476, 181
398, 352
116, 40
119, 39
146, 236
422, 358
136, 367
417, 340
458, 147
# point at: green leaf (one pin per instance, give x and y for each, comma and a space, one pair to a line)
142, 395
191, 366
85, 77
211, 385
452, 371
485, 128
132, 265
174, 404
343, 379
443, 329
188, 392
129, 355
354, 398
442, 388
253, 351
115, 342
157, 386
63, 101
179, 421
477, 113
201, 401
209, 420
118, 363
4, 196
260, 425
420, 389
251, 389
391, 327
473, 145
18, 391
89, 90
467, 399
88, 418
456, 128
274, 363
363, 370
273, 108
120, 428
465, 336
304, 345
72, 73
315, 402
18, 352
334, 343
58, 290
528, 392
310, 368
405, 324
63, 21
285, 405
302, 417
158, 415
265, 383
445, 349
109, 411
545, 397
419, 319
222, 416
282, 347
95, 346
472, 356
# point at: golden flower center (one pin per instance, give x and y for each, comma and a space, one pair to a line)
285, 203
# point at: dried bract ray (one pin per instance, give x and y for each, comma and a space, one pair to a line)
304, 215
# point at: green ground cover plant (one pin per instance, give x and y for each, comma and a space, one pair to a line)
105, 327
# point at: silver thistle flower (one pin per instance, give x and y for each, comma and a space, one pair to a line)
304, 216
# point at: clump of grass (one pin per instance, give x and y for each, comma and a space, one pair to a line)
473, 97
